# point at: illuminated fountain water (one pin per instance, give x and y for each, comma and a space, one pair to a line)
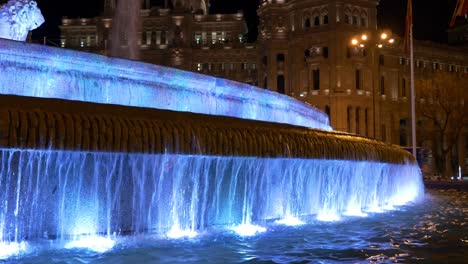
86, 168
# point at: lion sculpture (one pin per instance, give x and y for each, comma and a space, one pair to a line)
18, 17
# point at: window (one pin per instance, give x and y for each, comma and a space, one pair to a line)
347, 19
316, 78
153, 37
381, 59
402, 61
163, 37
143, 38
213, 37
325, 19
382, 85
280, 57
358, 113
403, 132
348, 118
307, 23
204, 38
357, 78
363, 22
327, 111
355, 20
316, 21
366, 122
198, 38
280, 83
325, 52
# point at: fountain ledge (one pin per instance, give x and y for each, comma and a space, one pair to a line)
68, 125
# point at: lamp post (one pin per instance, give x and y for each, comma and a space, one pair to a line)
373, 42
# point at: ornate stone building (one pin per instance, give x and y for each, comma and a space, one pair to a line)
305, 49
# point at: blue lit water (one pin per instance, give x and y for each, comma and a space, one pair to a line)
47, 72
431, 231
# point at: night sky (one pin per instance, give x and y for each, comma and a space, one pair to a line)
431, 17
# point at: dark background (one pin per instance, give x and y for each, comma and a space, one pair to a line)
431, 17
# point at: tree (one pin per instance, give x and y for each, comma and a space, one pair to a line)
442, 110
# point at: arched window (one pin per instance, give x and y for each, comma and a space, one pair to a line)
317, 21
363, 19
307, 23
325, 19
347, 17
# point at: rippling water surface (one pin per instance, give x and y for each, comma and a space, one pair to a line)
433, 231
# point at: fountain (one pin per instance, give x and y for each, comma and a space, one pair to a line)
95, 148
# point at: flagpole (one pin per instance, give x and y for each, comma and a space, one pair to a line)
413, 112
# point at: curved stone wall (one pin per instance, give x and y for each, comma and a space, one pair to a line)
57, 124
46, 72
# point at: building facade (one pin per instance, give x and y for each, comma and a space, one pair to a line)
330, 54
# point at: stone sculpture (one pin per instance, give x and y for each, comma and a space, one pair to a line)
18, 17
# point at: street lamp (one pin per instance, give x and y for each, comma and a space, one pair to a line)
372, 41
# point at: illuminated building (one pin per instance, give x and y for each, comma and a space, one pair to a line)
304, 49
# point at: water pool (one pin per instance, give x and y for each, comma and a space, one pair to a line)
432, 231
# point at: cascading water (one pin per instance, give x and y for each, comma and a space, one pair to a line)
61, 194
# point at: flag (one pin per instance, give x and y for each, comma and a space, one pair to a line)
461, 9
408, 26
